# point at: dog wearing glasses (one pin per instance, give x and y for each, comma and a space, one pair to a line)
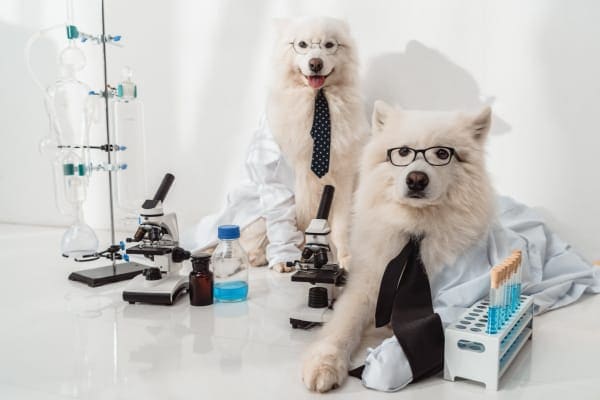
422, 174
312, 55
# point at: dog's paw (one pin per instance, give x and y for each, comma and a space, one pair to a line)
282, 267
257, 258
344, 261
325, 368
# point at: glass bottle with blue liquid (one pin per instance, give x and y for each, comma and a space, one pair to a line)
230, 266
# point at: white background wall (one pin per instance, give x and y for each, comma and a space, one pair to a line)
203, 69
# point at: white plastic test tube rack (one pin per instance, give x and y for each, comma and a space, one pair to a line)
471, 353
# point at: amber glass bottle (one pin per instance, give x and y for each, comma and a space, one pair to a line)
201, 281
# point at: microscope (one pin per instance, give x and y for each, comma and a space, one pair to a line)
157, 239
314, 268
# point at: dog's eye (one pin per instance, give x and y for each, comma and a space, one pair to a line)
403, 151
329, 45
302, 44
442, 154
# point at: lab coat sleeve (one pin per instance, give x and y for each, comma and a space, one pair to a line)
274, 178
386, 367
264, 191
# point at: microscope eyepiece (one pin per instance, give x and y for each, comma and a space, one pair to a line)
326, 200
164, 187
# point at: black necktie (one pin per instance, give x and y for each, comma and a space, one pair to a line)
405, 299
321, 134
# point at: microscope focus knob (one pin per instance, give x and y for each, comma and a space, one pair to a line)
179, 255
317, 297
152, 274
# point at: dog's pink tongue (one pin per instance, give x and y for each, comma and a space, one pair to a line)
316, 81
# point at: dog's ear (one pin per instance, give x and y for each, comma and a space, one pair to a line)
481, 123
381, 111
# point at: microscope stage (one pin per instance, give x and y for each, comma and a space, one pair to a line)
149, 250
328, 274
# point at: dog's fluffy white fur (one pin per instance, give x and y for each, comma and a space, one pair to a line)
457, 210
290, 117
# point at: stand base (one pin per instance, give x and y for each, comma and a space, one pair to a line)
94, 277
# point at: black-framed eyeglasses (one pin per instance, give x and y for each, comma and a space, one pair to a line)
329, 46
437, 155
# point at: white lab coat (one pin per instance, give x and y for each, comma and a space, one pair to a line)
552, 272
267, 191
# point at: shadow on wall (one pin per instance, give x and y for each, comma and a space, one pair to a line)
422, 78
567, 52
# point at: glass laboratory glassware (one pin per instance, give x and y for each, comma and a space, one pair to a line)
230, 266
128, 134
201, 282
80, 239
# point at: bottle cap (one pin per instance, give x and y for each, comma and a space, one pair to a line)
229, 232
200, 262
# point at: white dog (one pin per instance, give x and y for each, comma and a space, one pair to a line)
314, 69
310, 55
450, 203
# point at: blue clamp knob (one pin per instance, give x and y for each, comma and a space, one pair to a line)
122, 245
116, 38
124, 166
126, 257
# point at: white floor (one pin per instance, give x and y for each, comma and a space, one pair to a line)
63, 340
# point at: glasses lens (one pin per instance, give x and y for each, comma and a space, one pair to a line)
329, 46
402, 156
438, 155
301, 46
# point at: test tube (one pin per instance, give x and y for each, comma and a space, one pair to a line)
507, 289
502, 295
518, 285
511, 284
494, 302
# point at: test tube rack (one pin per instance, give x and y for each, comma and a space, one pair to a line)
472, 353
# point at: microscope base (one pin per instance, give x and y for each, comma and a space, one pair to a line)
304, 317
94, 277
163, 291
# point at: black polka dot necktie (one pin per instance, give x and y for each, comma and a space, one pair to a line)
321, 134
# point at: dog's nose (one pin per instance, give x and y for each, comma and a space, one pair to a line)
315, 64
417, 180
